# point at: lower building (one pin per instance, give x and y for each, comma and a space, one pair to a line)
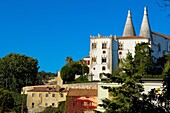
81, 100
39, 98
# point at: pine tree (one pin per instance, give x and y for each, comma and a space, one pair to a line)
125, 97
143, 59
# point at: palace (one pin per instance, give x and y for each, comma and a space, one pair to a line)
106, 51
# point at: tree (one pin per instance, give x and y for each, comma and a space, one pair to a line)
82, 78
71, 69
43, 77
128, 97
6, 101
143, 59
85, 68
160, 64
165, 96
68, 59
60, 109
17, 71
19, 102
11, 101
124, 98
67, 74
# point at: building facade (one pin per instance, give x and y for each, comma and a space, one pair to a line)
103, 50
106, 51
40, 98
81, 100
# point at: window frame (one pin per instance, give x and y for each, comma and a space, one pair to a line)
94, 45
104, 45
53, 95
104, 59
103, 68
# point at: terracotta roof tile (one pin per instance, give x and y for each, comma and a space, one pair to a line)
82, 92
46, 89
162, 35
130, 37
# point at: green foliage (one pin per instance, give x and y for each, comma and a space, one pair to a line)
17, 71
166, 83
124, 97
11, 102
60, 109
71, 69
68, 59
81, 79
43, 77
67, 74
153, 76
6, 101
128, 97
143, 59
19, 102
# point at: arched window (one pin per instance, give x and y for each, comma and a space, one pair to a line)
103, 68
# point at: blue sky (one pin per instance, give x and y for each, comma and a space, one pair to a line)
51, 30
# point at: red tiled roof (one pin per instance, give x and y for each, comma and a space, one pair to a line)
45, 89
130, 37
162, 35
82, 92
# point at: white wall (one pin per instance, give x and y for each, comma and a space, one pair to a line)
103, 93
163, 45
96, 68
129, 45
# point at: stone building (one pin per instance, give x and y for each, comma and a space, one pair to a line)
39, 98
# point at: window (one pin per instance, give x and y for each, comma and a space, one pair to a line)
93, 45
103, 45
120, 46
103, 59
46, 104
61, 95
53, 95
46, 95
88, 62
40, 95
101, 75
90, 103
74, 103
52, 104
104, 52
159, 47
103, 68
32, 105
82, 103
93, 59
94, 68
120, 53
39, 104
33, 94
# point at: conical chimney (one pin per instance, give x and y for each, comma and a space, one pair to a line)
129, 28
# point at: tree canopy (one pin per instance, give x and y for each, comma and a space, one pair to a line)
17, 71
73, 68
43, 77
125, 97
11, 101
128, 97
143, 59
